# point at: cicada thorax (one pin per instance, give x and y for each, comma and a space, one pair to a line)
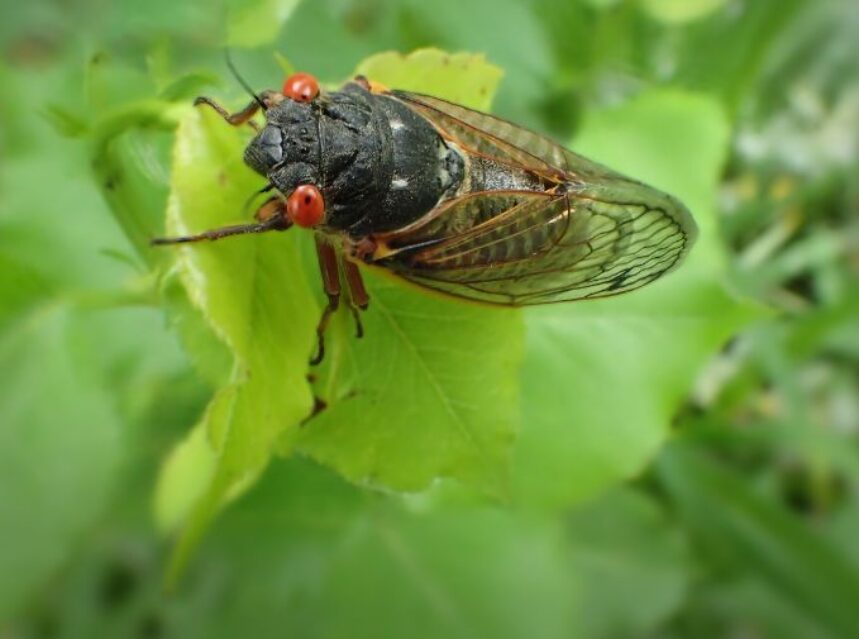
378, 164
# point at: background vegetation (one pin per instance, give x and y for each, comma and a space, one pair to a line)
678, 462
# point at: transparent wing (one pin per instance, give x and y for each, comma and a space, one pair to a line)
522, 248
502, 140
593, 234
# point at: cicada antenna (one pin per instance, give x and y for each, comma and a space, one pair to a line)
247, 87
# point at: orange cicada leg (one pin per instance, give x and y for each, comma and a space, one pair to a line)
359, 300
330, 269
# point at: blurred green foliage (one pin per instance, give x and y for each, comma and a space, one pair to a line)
478, 472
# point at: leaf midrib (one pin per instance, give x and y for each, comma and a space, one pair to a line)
435, 383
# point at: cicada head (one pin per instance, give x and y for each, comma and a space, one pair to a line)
326, 140
287, 149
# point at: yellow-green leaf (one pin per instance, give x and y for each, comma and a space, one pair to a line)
252, 293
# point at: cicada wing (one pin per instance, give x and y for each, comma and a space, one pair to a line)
502, 140
621, 237
478, 133
486, 227
528, 248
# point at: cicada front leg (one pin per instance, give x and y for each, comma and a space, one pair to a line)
270, 216
240, 117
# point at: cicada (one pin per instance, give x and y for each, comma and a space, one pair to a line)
448, 198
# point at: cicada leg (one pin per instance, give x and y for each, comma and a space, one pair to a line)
271, 216
271, 208
371, 85
330, 270
239, 117
331, 266
359, 300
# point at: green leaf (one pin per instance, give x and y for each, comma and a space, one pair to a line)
54, 414
183, 478
432, 388
633, 565
430, 391
30, 286
129, 170
749, 602
602, 379
211, 358
753, 535
330, 560
603, 4
252, 23
66, 123
734, 74
189, 86
131, 156
465, 78
680, 11
470, 573
252, 293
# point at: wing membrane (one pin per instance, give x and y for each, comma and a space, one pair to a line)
503, 140
489, 136
546, 248
592, 233
488, 227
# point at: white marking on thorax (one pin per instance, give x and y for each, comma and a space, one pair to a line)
399, 183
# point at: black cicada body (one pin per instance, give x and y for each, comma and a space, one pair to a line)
450, 199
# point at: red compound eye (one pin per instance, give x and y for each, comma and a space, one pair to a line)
301, 87
305, 206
